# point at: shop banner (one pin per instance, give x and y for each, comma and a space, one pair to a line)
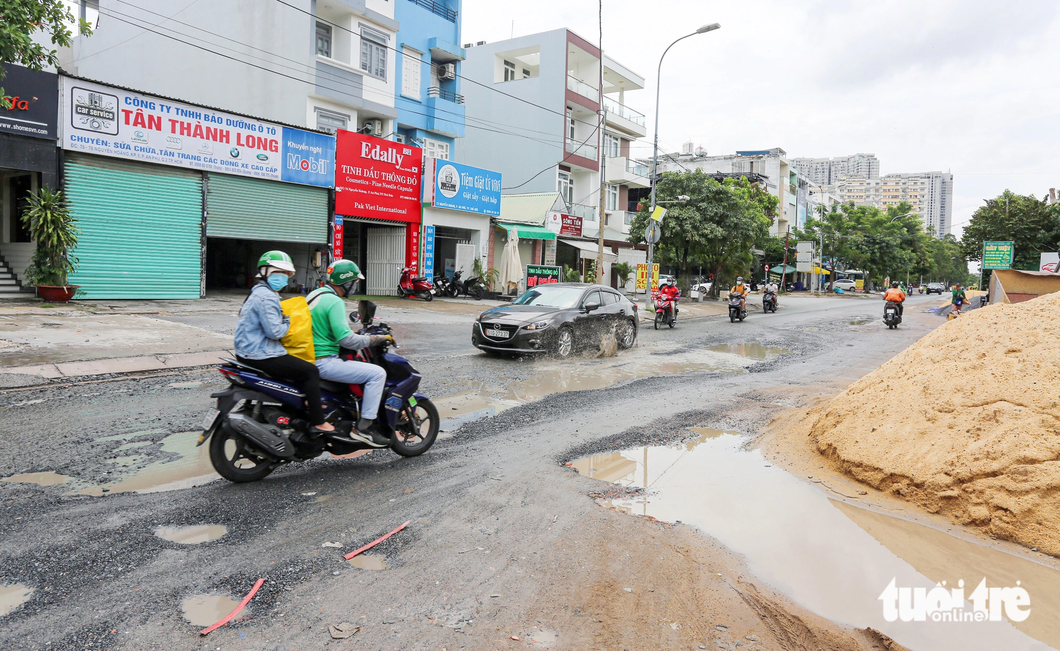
566, 225
111, 121
539, 274
377, 178
428, 252
29, 105
412, 248
550, 252
461, 187
642, 277
997, 255
336, 241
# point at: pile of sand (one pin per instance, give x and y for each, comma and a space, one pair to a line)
966, 422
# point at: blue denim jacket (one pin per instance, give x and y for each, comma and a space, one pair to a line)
261, 325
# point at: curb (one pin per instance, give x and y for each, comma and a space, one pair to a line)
119, 365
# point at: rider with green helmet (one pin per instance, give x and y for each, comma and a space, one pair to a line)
331, 331
262, 325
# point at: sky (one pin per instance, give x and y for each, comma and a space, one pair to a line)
967, 86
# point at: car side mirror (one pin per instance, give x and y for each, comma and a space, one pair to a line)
589, 307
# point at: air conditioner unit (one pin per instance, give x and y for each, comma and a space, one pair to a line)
480, 43
447, 71
399, 138
375, 126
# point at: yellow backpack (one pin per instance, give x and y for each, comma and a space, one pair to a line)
299, 338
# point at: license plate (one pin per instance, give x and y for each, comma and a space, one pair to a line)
497, 334
412, 401
208, 421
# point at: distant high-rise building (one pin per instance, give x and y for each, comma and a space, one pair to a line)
827, 171
929, 194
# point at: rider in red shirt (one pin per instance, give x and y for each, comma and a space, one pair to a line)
669, 292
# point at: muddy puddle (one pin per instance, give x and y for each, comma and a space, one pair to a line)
191, 467
13, 596
833, 557
38, 478
757, 352
207, 609
192, 535
368, 562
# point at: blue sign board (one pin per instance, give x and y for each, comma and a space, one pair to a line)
428, 251
307, 158
466, 188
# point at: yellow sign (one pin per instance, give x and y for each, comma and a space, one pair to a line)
642, 276
859, 283
655, 278
658, 214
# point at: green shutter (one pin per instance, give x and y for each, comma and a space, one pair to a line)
141, 228
254, 209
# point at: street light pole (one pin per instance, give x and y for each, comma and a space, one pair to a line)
655, 151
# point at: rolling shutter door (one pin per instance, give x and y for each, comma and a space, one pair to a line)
254, 209
141, 228
386, 258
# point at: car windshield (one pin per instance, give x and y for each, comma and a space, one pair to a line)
562, 297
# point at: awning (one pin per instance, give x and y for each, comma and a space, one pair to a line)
529, 231
589, 250
783, 270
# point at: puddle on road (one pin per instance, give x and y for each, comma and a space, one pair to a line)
207, 609
192, 535
545, 638
192, 467
832, 557
859, 322
13, 596
38, 478
368, 562
756, 352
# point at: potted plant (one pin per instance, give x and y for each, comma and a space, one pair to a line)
624, 271
53, 228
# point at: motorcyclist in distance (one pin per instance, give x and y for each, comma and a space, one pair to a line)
741, 289
670, 292
896, 295
772, 288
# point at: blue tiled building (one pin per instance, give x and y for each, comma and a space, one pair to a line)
427, 94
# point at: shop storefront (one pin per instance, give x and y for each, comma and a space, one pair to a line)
458, 201
173, 198
377, 208
28, 161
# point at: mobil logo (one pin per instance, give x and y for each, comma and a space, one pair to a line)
308, 164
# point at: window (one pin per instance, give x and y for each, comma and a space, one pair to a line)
436, 149
565, 188
526, 73
373, 53
331, 122
593, 297
509, 71
610, 298
324, 40
612, 197
410, 73
570, 124
612, 146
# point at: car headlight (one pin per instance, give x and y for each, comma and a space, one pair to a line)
539, 325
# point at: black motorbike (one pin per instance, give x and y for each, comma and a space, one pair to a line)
892, 315
737, 308
769, 302
456, 286
441, 285
260, 422
475, 287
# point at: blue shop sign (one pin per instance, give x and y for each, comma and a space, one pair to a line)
308, 158
428, 251
466, 188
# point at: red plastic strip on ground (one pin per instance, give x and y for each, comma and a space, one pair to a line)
374, 543
231, 615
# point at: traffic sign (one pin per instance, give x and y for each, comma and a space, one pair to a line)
653, 233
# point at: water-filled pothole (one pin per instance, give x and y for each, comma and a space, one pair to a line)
192, 535
207, 609
834, 558
192, 467
752, 351
13, 596
38, 478
368, 562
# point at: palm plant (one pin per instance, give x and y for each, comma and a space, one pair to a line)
55, 232
624, 271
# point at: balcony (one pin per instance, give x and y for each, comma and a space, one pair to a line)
447, 95
587, 213
586, 150
623, 171
445, 112
438, 8
625, 118
585, 90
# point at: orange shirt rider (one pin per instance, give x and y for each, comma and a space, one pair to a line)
740, 288
896, 295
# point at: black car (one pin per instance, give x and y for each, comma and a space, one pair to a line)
935, 288
558, 318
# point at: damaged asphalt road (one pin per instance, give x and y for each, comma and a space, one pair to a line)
503, 542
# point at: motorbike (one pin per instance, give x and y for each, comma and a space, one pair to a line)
456, 286
441, 285
735, 311
891, 316
260, 422
665, 310
769, 301
420, 286
920, 290
475, 287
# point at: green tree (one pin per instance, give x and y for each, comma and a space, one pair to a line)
1032, 225
21, 19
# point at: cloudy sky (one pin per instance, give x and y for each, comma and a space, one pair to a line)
968, 86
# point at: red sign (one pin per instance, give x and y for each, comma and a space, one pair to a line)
767, 268
412, 247
336, 240
561, 224
377, 178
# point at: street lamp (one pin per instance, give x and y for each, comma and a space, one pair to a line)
655, 151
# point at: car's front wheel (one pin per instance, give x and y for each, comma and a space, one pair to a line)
564, 342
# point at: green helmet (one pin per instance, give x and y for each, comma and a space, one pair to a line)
343, 271
276, 259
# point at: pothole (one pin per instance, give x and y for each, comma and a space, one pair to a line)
13, 596
833, 557
192, 535
368, 562
192, 467
207, 609
38, 478
752, 351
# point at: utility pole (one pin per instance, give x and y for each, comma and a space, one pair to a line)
820, 276
784, 275
602, 116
